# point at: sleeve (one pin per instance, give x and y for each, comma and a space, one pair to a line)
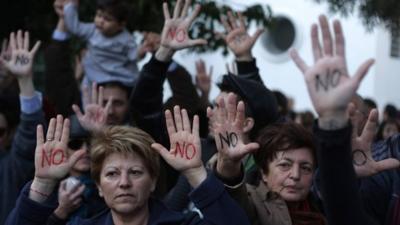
249, 70
60, 85
29, 212
146, 103
215, 206
74, 26
339, 187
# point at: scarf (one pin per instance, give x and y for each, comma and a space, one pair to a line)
304, 214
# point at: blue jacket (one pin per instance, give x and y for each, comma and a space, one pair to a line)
210, 198
17, 165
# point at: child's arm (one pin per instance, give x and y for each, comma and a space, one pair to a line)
74, 26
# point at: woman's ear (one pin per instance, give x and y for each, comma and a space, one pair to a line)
264, 176
248, 124
153, 184
100, 190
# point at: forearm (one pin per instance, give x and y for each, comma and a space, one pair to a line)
26, 86
338, 183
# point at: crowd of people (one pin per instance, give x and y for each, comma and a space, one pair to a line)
100, 146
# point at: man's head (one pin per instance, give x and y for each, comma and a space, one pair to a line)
260, 103
111, 16
119, 95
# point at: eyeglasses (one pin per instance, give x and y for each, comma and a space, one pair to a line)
77, 143
3, 131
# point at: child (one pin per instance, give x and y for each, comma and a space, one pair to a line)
112, 52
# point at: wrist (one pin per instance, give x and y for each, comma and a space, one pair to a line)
41, 189
61, 213
195, 176
246, 57
333, 120
164, 54
227, 168
26, 86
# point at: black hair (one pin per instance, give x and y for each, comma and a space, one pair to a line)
119, 9
391, 111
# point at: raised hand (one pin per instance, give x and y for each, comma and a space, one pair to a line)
228, 129
21, 59
175, 33
51, 162
95, 117
203, 79
185, 152
328, 82
363, 162
237, 38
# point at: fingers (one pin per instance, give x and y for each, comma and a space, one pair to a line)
77, 111
371, 125
100, 98
362, 71
196, 126
298, 60
231, 107
225, 23
161, 150
250, 148
339, 38
170, 123
351, 111
387, 164
186, 8
59, 128
51, 129
26, 41
221, 110
94, 92
256, 35
195, 13
177, 9
167, 16
196, 42
19, 40
39, 135
65, 131
76, 156
13, 44
240, 113
35, 48
209, 112
232, 20
86, 97
316, 47
326, 35
186, 121
242, 24
178, 118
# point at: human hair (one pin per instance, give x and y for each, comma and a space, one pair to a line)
370, 103
119, 85
123, 140
391, 111
282, 101
119, 9
281, 137
379, 133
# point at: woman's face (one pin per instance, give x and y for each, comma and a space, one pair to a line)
389, 130
290, 174
125, 183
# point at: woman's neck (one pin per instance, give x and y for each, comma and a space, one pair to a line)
139, 217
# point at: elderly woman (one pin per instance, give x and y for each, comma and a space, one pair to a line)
126, 168
286, 161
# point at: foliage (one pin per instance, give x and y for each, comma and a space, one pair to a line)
372, 12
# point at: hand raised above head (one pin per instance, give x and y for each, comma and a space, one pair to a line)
185, 152
95, 116
237, 38
21, 59
175, 33
328, 82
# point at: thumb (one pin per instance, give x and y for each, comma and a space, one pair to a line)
76, 156
387, 164
250, 148
161, 150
